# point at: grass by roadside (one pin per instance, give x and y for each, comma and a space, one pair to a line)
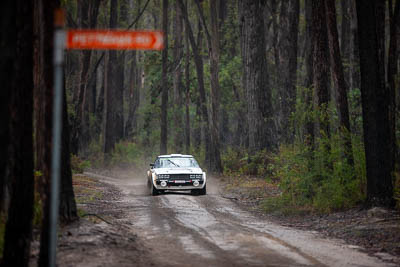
85, 189
88, 191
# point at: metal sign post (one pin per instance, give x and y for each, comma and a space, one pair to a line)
58, 60
82, 39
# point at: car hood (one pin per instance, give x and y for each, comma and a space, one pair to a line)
177, 170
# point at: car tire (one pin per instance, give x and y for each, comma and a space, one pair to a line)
203, 191
154, 191
200, 192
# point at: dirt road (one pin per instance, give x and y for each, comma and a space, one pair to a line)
184, 230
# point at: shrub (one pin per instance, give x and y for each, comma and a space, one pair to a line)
237, 161
233, 160
78, 165
321, 178
95, 153
126, 153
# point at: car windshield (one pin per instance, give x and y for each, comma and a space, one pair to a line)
176, 163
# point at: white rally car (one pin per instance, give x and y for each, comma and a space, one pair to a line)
176, 172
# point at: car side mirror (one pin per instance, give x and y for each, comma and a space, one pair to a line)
152, 165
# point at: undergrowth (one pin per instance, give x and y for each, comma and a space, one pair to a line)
318, 180
126, 153
78, 165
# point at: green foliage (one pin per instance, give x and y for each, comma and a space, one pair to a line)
321, 178
81, 213
95, 153
126, 153
239, 161
232, 161
200, 155
78, 165
354, 98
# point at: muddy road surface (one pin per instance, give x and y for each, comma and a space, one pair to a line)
179, 229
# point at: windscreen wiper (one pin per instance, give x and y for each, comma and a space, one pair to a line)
173, 163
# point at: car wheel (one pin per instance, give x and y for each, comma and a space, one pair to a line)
154, 191
203, 191
200, 192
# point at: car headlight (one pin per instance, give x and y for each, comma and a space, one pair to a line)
196, 176
163, 176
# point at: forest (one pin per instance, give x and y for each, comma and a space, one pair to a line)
302, 93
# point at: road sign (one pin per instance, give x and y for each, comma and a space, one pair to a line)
115, 39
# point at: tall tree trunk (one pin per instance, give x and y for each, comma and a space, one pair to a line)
68, 211
88, 19
320, 66
240, 139
18, 230
355, 78
177, 54
89, 98
133, 98
308, 82
134, 86
259, 111
84, 62
119, 96
164, 81
43, 102
273, 4
391, 72
44, 108
187, 94
113, 123
198, 61
242, 126
289, 23
375, 103
338, 77
345, 38
7, 56
213, 54
216, 164
100, 100
120, 74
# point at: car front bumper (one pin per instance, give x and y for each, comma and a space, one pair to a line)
179, 187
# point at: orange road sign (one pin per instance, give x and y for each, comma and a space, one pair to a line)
115, 39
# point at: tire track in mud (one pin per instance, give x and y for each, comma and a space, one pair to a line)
185, 230
232, 244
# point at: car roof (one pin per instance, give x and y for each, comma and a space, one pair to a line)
175, 156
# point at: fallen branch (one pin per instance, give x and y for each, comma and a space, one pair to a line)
231, 198
97, 216
388, 220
